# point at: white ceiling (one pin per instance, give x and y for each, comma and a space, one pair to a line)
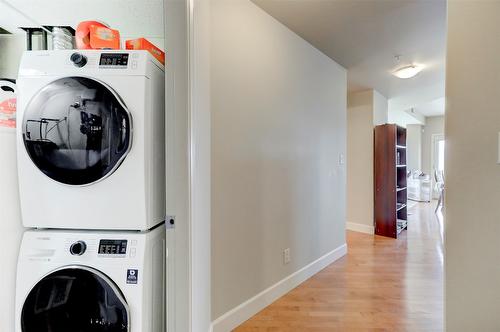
433, 108
142, 18
364, 36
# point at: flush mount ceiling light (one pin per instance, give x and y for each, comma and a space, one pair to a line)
408, 71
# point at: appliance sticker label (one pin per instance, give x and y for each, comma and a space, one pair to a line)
132, 276
8, 106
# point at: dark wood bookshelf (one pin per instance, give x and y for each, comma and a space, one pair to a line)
391, 216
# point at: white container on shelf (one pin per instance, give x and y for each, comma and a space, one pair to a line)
62, 39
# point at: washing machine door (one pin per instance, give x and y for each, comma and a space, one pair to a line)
77, 130
75, 299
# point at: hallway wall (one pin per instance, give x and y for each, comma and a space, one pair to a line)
278, 134
472, 173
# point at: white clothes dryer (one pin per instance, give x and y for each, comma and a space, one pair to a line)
91, 139
91, 281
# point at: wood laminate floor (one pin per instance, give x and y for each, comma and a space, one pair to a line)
382, 284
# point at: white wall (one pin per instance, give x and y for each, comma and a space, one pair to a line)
278, 130
365, 110
420, 143
433, 126
380, 109
472, 173
10, 218
11, 48
405, 117
414, 147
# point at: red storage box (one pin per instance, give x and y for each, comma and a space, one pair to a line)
144, 44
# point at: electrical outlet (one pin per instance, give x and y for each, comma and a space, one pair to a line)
286, 256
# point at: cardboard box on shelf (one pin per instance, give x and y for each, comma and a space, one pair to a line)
96, 35
104, 38
144, 44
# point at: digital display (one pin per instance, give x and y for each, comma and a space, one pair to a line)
112, 247
114, 59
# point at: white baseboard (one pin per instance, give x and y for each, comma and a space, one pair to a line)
249, 308
360, 228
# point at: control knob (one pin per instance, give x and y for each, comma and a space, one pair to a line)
78, 248
78, 59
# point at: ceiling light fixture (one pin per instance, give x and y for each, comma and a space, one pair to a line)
408, 71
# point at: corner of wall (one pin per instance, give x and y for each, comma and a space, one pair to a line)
380, 109
365, 109
361, 228
249, 308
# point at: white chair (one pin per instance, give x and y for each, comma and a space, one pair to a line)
439, 178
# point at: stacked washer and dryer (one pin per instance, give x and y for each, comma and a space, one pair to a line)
91, 163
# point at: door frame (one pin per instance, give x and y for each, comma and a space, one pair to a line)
187, 37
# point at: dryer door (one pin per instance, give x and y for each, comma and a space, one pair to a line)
76, 299
76, 130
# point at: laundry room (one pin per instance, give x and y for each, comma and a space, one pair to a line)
86, 139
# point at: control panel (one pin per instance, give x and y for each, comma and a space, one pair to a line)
103, 247
82, 247
113, 247
113, 60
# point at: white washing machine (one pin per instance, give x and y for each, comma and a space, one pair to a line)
91, 139
91, 281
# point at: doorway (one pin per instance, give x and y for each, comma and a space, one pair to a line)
437, 161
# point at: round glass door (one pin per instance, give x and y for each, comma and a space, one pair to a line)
76, 130
76, 300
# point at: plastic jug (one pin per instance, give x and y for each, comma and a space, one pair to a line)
7, 103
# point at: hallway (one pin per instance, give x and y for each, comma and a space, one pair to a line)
381, 285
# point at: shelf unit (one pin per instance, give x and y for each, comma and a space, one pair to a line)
391, 193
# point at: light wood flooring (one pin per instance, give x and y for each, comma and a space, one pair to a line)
382, 284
